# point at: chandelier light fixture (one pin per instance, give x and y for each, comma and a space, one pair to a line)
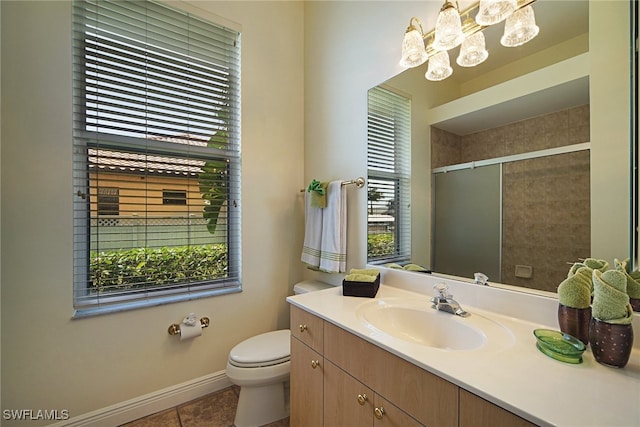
450, 32
519, 28
472, 51
413, 51
493, 11
439, 68
448, 28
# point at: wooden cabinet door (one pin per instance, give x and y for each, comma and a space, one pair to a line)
389, 415
431, 400
307, 328
477, 412
347, 402
306, 392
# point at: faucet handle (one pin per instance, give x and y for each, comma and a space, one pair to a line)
443, 290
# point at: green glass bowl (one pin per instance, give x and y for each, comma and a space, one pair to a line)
559, 345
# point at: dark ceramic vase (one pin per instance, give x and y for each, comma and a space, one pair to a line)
575, 321
610, 343
635, 303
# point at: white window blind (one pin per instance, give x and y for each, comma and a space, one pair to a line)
389, 180
156, 156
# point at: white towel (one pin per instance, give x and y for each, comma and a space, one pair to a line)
312, 233
333, 248
325, 231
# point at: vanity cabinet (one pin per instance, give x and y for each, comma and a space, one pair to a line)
477, 412
307, 328
348, 402
306, 386
307, 366
339, 379
426, 397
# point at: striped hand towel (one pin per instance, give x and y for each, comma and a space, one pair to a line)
325, 231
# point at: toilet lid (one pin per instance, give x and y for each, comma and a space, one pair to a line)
270, 348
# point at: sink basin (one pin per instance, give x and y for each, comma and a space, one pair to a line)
413, 320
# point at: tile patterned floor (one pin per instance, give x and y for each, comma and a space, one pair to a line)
214, 410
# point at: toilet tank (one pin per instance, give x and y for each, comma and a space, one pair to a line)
310, 286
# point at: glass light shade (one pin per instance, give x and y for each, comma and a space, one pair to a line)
520, 28
472, 51
439, 68
493, 11
448, 28
413, 51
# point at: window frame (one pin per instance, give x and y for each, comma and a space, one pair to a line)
86, 304
387, 105
108, 204
171, 197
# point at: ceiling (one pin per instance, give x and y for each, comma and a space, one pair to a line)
559, 20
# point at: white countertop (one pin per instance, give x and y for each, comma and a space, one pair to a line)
518, 378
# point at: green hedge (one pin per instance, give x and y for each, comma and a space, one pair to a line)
379, 245
137, 268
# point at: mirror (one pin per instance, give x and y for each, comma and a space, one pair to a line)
544, 85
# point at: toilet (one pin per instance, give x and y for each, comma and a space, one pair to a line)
260, 365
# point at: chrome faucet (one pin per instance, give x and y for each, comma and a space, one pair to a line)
445, 302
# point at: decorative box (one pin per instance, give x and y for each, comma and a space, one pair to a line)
361, 289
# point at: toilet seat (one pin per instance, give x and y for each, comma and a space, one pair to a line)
268, 349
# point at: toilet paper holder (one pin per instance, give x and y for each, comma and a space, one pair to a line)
174, 329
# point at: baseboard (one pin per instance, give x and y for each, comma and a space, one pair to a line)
151, 403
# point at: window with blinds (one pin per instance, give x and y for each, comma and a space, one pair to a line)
156, 168
389, 177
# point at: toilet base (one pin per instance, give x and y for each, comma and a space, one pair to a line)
261, 405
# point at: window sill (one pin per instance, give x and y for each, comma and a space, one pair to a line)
80, 313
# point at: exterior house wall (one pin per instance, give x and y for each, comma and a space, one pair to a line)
138, 215
141, 195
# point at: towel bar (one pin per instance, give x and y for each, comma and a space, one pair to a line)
359, 182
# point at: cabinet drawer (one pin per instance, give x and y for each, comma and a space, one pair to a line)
426, 397
307, 328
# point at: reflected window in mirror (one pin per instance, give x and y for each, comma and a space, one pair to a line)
389, 177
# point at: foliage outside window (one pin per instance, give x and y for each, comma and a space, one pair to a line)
388, 164
156, 135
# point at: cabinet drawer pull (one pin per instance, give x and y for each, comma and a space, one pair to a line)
379, 412
315, 364
362, 398
303, 328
